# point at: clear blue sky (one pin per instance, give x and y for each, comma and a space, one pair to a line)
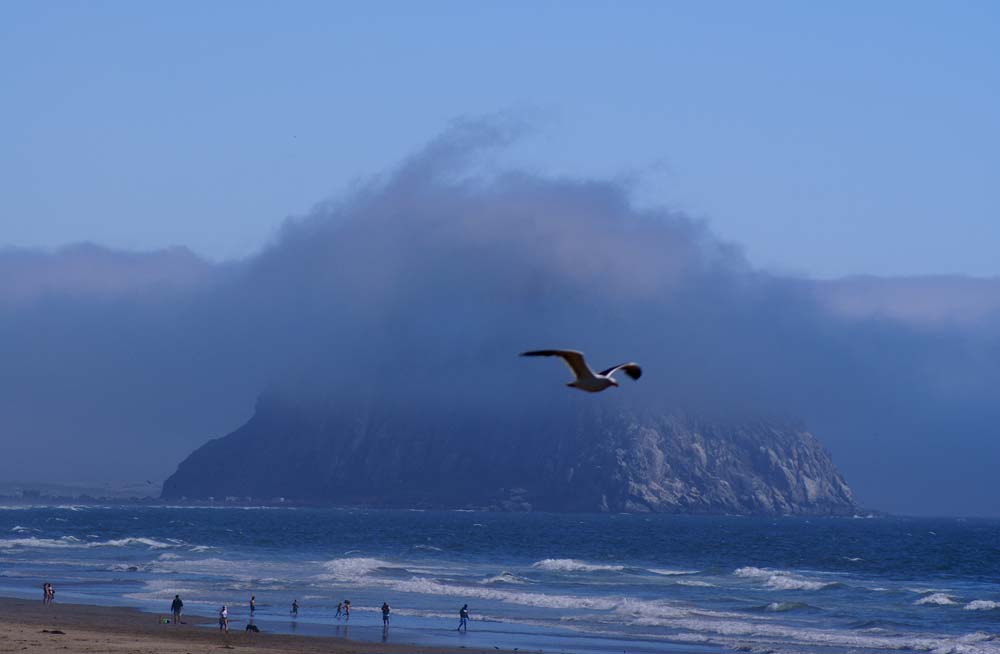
826, 138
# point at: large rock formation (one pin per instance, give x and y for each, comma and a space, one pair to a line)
603, 460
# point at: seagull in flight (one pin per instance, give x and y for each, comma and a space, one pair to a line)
587, 379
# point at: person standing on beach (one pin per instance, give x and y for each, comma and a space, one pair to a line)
295, 608
176, 607
253, 604
224, 619
340, 609
347, 609
463, 618
385, 615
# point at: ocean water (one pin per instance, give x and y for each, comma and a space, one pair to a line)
574, 583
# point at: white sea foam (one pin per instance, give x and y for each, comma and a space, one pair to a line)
981, 605
73, 542
574, 565
791, 582
937, 599
750, 572
695, 583
541, 600
666, 572
782, 579
352, 568
505, 578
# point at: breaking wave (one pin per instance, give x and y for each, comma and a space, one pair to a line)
352, 568
783, 580
981, 605
937, 599
574, 565
73, 542
505, 578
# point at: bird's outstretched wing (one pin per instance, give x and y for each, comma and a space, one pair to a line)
572, 358
631, 369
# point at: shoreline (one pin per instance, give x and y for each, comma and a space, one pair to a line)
29, 626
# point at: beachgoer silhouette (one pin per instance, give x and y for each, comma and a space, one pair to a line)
224, 618
253, 604
340, 609
385, 614
295, 607
463, 618
176, 607
347, 609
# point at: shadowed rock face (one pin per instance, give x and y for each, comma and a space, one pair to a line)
597, 460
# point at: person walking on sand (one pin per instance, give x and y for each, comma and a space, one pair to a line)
52, 593
176, 607
253, 604
295, 608
45, 593
385, 615
224, 619
463, 618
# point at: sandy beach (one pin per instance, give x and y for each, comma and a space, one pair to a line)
28, 626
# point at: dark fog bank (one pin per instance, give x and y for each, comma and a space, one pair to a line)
418, 289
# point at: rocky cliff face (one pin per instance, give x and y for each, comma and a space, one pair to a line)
612, 460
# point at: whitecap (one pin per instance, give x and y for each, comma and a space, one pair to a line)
791, 582
751, 572
981, 605
937, 599
782, 579
666, 572
352, 568
574, 565
505, 578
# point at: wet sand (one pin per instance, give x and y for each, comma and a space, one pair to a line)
29, 626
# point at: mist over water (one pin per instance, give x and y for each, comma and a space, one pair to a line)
418, 289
